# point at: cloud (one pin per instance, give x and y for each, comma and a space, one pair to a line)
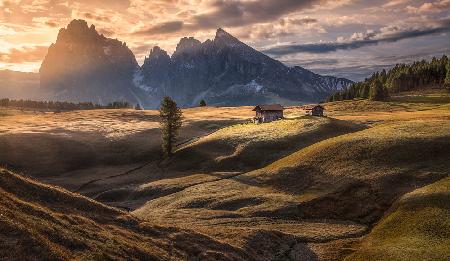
162, 28
95, 17
24, 54
435, 7
393, 3
51, 24
358, 40
225, 13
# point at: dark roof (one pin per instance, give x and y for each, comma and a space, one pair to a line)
310, 107
269, 107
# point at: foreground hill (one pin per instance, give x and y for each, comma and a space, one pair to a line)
40, 222
340, 187
416, 227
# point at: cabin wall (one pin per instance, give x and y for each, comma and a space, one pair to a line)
317, 112
269, 116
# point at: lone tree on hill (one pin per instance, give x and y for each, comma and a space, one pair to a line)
170, 124
202, 103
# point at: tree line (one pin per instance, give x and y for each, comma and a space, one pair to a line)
403, 77
61, 106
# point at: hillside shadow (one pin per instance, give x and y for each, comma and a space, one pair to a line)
278, 246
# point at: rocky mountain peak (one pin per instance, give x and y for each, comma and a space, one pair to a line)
83, 65
223, 37
157, 53
78, 31
187, 44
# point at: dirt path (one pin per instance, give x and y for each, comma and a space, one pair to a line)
113, 176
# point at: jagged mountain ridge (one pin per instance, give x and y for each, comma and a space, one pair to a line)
83, 65
225, 71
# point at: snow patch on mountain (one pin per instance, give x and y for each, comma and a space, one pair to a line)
138, 81
253, 86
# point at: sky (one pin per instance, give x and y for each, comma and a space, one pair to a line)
344, 38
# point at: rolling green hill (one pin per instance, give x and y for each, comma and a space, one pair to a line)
249, 146
345, 184
417, 227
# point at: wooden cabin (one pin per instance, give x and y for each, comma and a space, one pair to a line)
268, 113
314, 110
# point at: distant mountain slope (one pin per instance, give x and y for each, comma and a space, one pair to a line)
225, 71
18, 85
41, 222
83, 65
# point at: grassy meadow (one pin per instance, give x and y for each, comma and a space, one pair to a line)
369, 181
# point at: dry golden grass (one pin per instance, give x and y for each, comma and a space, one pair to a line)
417, 227
245, 147
348, 180
40, 222
432, 104
299, 189
51, 144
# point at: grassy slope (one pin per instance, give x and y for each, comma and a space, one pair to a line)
417, 227
326, 191
47, 223
47, 144
229, 152
326, 179
333, 186
245, 147
357, 176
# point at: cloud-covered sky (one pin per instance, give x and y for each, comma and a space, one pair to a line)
346, 38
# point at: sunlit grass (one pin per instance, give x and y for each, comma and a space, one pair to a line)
417, 227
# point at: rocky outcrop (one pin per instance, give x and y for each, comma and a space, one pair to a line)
83, 65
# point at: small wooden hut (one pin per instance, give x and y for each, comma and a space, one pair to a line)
314, 110
268, 113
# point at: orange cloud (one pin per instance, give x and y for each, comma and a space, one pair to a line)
24, 55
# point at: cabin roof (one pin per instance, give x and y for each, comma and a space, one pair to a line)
311, 107
269, 107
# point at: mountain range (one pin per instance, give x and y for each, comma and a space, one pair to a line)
83, 65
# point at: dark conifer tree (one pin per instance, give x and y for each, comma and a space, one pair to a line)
447, 78
377, 91
170, 116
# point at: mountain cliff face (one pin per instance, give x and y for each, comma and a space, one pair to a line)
85, 66
226, 71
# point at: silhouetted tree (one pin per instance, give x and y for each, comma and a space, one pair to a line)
170, 125
202, 103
